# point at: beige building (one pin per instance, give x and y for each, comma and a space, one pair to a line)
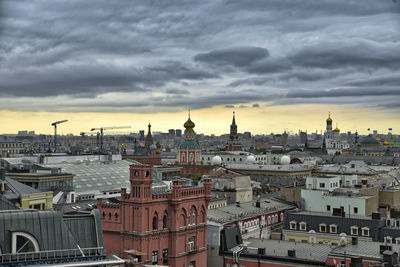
25, 196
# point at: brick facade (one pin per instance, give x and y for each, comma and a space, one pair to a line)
151, 224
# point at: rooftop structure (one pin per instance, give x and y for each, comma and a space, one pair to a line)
46, 237
99, 176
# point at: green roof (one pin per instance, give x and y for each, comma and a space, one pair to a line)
189, 144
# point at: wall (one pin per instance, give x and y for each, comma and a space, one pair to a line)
291, 194
316, 201
391, 197
43, 199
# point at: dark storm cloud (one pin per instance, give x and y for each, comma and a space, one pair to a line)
198, 54
235, 56
344, 92
348, 53
177, 92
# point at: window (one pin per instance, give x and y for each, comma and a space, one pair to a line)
328, 207
333, 228
365, 231
189, 219
292, 225
322, 185
191, 244
303, 226
154, 257
355, 210
192, 264
322, 228
155, 222
164, 221
354, 230
388, 240
194, 218
165, 256
23, 242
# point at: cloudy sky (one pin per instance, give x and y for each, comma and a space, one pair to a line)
280, 64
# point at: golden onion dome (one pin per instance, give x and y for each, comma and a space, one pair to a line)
336, 130
329, 119
378, 139
189, 124
386, 143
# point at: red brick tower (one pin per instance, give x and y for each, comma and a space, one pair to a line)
158, 228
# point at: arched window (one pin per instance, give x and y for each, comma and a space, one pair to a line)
23, 242
164, 221
194, 218
109, 215
155, 223
116, 216
189, 219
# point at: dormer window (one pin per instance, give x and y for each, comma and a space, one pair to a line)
23, 242
292, 225
333, 229
322, 227
354, 230
365, 231
303, 226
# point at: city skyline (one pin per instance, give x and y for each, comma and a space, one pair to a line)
282, 65
277, 121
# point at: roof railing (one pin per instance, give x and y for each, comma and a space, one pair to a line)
52, 255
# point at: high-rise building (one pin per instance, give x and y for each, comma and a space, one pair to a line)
247, 135
171, 132
178, 133
141, 135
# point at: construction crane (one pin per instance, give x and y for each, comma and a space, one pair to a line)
55, 132
102, 129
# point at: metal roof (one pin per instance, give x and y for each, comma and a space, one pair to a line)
99, 176
20, 189
52, 230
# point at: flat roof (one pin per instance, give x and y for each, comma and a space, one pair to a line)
329, 214
232, 213
99, 176
279, 248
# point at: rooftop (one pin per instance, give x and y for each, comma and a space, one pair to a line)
278, 248
278, 168
232, 213
99, 176
329, 214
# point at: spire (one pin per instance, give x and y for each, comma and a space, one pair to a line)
233, 119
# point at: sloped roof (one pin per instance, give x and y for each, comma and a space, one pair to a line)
5, 204
20, 189
51, 229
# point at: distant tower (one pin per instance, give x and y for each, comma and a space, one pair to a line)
189, 151
329, 124
233, 135
233, 143
149, 139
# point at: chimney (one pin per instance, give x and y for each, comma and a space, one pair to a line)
2, 174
